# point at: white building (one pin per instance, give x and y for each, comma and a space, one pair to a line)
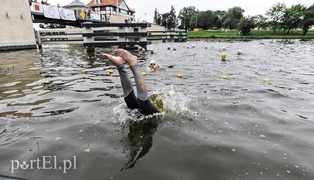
116, 11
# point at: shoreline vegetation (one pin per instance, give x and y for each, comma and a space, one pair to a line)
254, 34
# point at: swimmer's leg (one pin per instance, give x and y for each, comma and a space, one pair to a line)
127, 86
146, 107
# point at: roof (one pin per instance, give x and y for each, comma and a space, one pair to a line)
107, 3
104, 3
77, 3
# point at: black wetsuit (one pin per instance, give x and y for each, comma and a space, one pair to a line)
141, 102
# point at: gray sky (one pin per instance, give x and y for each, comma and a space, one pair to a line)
142, 7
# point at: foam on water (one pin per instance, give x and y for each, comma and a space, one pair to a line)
167, 100
172, 100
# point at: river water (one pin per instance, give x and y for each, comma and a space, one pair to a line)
62, 116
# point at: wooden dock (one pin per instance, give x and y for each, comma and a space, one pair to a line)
126, 35
166, 36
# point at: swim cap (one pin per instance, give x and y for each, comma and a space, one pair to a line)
152, 62
223, 56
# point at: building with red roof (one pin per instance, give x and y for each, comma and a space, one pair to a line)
115, 10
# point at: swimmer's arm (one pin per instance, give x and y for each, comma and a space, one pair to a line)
156, 67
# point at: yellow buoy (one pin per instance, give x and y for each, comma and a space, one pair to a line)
87, 150
111, 71
224, 77
57, 69
223, 56
266, 80
143, 73
83, 71
179, 75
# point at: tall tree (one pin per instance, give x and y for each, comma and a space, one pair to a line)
217, 19
308, 19
245, 25
194, 20
163, 19
260, 21
293, 16
231, 18
209, 19
205, 19
156, 16
275, 15
185, 16
172, 18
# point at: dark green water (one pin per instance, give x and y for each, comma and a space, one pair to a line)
212, 128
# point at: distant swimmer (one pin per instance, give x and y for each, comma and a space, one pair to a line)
168, 48
152, 66
224, 57
143, 50
140, 102
139, 48
151, 51
174, 48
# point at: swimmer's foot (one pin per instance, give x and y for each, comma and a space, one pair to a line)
127, 56
116, 60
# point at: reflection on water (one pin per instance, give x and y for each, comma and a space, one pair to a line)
140, 139
221, 119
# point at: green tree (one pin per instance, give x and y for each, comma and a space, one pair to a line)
164, 19
260, 21
185, 16
205, 19
231, 18
308, 19
172, 18
194, 20
275, 15
156, 16
293, 17
245, 25
217, 19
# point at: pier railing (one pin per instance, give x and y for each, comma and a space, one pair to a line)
171, 35
126, 34
107, 34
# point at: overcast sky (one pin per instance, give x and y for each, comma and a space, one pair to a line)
142, 7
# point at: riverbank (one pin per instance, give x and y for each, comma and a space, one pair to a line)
254, 34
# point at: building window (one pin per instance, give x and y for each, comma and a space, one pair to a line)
103, 8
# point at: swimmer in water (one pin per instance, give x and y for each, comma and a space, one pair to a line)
140, 102
152, 66
152, 51
223, 57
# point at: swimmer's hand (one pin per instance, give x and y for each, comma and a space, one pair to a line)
156, 67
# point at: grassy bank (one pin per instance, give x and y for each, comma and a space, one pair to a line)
263, 34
